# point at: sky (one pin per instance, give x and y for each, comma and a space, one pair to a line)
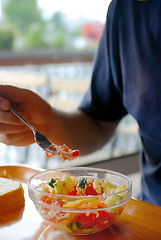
91, 9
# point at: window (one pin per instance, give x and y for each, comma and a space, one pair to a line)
49, 48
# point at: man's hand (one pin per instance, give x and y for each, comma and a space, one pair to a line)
30, 106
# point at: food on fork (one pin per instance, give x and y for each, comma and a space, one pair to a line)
62, 152
11, 195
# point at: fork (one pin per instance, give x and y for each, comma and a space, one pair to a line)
40, 139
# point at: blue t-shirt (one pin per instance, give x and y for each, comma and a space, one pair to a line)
127, 79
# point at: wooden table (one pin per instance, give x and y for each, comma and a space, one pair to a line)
139, 220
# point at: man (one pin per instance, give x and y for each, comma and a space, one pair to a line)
126, 79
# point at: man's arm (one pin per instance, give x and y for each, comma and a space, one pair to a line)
78, 130
75, 129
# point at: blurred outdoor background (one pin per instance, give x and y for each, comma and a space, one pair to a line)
49, 47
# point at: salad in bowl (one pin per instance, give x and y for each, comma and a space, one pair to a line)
80, 200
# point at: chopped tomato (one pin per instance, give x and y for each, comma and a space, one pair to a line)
86, 221
104, 219
73, 192
75, 153
99, 220
90, 189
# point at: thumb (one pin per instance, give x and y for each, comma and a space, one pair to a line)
4, 104
9, 92
6, 94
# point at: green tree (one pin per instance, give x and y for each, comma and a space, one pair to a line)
59, 20
59, 40
35, 37
60, 30
22, 13
6, 37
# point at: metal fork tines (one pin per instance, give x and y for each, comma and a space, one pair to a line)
40, 139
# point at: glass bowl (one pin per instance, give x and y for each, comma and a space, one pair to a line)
80, 200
